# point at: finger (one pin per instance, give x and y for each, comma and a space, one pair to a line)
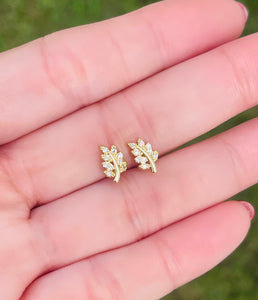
195, 96
20, 261
102, 217
63, 72
152, 267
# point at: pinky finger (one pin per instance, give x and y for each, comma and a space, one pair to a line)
153, 267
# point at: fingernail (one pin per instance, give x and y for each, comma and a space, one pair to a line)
250, 209
245, 10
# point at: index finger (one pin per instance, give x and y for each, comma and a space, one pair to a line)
58, 74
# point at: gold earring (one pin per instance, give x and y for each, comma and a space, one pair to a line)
113, 162
145, 156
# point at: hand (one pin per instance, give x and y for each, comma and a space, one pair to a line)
68, 233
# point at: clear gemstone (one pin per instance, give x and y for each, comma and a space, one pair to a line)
108, 166
104, 149
143, 160
136, 152
132, 145
155, 156
138, 159
106, 157
109, 173
123, 167
120, 155
144, 166
113, 149
148, 148
105, 165
141, 142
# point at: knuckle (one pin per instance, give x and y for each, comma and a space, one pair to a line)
159, 38
65, 71
143, 206
16, 185
244, 69
131, 195
103, 283
169, 260
236, 161
117, 128
140, 114
108, 120
126, 72
45, 240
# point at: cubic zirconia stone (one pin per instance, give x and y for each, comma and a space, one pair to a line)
143, 160
120, 155
138, 159
123, 167
155, 156
136, 152
145, 166
106, 157
110, 167
132, 145
109, 173
113, 149
141, 142
148, 148
104, 149
105, 165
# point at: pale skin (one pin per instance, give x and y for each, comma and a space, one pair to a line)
167, 73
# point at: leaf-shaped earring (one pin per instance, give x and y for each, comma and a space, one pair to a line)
113, 162
145, 156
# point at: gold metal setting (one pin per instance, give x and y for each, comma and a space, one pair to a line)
113, 162
144, 155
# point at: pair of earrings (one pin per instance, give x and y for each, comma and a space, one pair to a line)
115, 165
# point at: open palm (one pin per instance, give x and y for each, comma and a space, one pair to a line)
66, 231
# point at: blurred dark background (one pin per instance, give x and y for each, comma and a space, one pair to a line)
23, 20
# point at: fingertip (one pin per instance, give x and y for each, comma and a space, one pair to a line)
244, 9
249, 208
